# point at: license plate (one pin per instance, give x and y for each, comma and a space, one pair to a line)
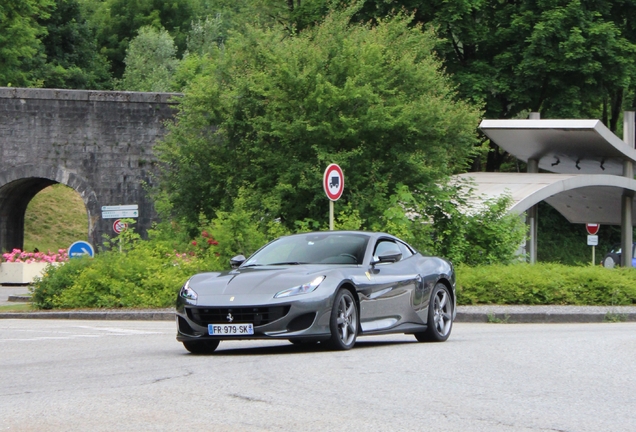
230, 329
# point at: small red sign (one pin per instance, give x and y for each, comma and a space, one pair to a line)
119, 226
592, 228
333, 182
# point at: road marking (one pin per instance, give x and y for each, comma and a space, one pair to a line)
120, 331
41, 338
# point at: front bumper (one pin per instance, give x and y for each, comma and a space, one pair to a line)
301, 319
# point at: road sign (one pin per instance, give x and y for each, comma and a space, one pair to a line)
120, 211
592, 228
333, 182
119, 226
81, 248
592, 240
120, 207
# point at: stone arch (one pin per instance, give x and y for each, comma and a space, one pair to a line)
19, 184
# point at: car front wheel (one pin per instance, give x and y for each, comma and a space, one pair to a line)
440, 316
344, 321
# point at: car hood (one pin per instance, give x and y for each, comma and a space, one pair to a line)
263, 282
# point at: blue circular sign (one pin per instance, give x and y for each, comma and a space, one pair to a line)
81, 248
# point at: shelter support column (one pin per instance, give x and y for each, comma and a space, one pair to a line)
532, 213
627, 200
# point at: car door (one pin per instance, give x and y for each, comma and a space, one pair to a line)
392, 297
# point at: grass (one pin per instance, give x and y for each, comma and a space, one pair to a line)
18, 307
55, 218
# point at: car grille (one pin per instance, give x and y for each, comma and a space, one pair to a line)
256, 315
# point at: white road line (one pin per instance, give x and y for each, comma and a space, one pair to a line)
120, 330
41, 338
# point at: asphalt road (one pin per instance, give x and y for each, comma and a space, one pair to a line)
62, 375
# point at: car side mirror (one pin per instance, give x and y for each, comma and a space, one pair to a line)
237, 261
388, 256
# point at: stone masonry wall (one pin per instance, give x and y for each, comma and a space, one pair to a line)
99, 143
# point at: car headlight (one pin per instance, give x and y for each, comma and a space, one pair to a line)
302, 289
187, 292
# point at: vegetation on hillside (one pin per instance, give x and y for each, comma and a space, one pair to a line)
55, 218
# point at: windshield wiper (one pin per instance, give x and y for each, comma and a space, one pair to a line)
288, 263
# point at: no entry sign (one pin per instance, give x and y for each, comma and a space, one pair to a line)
333, 182
119, 226
592, 228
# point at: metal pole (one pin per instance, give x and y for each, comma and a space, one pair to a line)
627, 200
593, 256
533, 212
330, 215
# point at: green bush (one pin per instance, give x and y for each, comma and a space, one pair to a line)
545, 284
145, 274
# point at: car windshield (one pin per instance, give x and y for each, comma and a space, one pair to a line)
315, 248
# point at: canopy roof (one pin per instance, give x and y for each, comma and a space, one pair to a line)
562, 146
579, 198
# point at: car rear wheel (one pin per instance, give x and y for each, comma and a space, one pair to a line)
344, 321
440, 316
611, 260
201, 347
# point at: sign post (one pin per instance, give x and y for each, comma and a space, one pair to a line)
333, 184
592, 238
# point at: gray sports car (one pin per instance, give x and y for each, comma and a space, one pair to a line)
323, 286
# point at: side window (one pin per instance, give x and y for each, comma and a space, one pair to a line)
406, 251
384, 246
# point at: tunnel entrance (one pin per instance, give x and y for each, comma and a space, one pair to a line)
14, 199
17, 190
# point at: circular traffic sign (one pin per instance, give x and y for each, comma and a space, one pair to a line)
333, 182
592, 228
119, 226
81, 248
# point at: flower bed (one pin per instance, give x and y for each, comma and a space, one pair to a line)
21, 268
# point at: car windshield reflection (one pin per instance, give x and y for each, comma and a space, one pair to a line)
321, 248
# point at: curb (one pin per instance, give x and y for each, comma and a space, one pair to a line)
547, 318
466, 314
545, 314
19, 298
146, 315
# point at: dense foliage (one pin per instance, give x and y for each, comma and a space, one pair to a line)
132, 273
268, 114
545, 284
20, 40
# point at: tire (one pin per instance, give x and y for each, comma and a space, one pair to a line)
611, 260
440, 316
201, 347
344, 321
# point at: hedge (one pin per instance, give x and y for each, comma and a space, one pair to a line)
545, 284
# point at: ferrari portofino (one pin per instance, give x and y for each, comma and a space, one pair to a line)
328, 287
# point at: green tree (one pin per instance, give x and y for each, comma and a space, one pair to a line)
268, 113
117, 22
70, 46
564, 58
20, 44
150, 62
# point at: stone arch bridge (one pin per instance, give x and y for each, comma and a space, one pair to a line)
96, 142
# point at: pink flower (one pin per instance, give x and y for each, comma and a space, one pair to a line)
194, 242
